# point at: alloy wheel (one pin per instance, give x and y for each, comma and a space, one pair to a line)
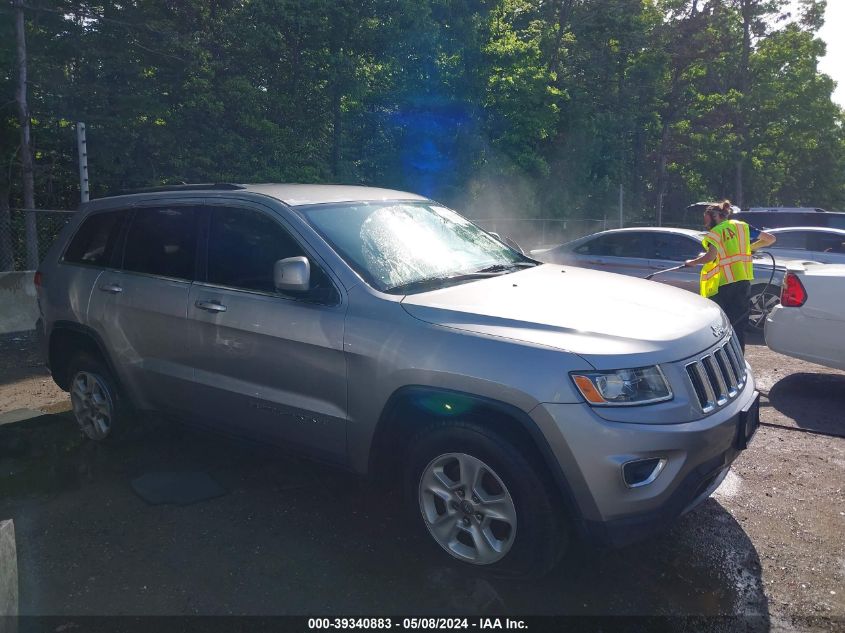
760, 306
92, 404
467, 508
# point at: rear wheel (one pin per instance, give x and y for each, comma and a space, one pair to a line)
762, 301
481, 501
96, 401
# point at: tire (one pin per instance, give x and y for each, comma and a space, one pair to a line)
97, 404
512, 523
761, 301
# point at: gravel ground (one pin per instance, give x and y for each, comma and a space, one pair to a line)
24, 381
290, 536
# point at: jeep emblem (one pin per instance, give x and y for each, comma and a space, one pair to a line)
718, 330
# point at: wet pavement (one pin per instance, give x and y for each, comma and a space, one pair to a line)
292, 536
284, 535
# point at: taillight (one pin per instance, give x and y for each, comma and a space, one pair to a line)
792, 295
38, 279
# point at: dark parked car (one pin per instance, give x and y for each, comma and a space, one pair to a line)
776, 217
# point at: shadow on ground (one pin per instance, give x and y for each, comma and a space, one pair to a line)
291, 536
815, 401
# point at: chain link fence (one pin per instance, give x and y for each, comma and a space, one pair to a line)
25, 236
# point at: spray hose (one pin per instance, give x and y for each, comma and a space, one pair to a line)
667, 270
764, 312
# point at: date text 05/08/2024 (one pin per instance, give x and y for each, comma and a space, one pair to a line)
416, 623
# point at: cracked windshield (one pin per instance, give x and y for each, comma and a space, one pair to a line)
398, 244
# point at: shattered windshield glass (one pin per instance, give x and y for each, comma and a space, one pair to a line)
396, 244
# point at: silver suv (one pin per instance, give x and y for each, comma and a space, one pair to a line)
514, 403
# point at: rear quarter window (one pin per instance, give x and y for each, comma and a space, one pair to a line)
95, 240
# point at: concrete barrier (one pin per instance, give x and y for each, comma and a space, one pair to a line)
8, 571
18, 303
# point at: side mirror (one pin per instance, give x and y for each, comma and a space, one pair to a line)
292, 274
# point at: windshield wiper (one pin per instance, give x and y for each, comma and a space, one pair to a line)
502, 268
433, 283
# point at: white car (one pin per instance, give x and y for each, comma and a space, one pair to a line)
809, 323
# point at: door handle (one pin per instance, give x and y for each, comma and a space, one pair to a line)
210, 306
111, 288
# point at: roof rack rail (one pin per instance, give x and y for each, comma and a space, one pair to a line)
215, 186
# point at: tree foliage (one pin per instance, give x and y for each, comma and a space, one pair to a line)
519, 107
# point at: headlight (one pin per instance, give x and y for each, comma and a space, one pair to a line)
623, 387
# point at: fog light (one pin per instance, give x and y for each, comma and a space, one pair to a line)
642, 472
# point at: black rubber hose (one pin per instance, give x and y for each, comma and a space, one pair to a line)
768, 283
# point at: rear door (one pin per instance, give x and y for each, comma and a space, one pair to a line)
673, 249
92, 250
266, 364
140, 308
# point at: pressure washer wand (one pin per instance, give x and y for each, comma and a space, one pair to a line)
668, 270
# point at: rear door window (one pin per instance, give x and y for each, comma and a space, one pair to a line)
95, 240
162, 241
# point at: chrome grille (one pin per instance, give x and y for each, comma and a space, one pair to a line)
719, 375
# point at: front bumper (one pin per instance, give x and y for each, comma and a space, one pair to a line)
591, 452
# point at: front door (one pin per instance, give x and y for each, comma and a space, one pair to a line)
266, 364
673, 249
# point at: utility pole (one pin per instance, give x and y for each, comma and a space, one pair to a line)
26, 143
660, 209
82, 147
621, 198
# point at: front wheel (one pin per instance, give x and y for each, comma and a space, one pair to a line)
761, 302
482, 502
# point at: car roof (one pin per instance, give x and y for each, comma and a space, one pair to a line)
289, 193
298, 194
814, 229
787, 210
652, 229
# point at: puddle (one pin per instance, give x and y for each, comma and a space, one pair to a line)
176, 488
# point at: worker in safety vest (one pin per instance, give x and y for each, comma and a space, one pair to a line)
727, 270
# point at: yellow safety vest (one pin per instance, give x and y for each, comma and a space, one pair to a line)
732, 242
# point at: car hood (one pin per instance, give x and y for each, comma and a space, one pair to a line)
610, 320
